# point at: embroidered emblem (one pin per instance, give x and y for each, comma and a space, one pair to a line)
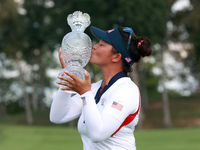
128, 59
111, 30
84, 100
117, 106
103, 101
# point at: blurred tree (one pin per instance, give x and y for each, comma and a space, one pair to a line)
187, 25
23, 75
8, 19
8, 16
4, 84
35, 25
20, 36
38, 27
147, 18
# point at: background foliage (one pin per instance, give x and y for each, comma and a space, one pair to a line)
31, 32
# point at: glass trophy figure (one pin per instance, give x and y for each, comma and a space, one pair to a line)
76, 45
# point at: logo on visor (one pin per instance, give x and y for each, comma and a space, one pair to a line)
111, 30
128, 59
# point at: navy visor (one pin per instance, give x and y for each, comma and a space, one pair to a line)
114, 38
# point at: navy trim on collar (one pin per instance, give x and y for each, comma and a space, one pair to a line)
111, 82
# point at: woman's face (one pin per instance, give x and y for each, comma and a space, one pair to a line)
101, 53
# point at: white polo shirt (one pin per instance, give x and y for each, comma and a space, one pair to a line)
119, 101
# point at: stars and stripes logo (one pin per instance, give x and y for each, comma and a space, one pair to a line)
117, 106
103, 101
84, 100
128, 59
111, 30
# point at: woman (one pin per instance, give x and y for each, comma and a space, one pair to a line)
108, 110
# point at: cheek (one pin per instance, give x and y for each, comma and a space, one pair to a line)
97, 57
93, 58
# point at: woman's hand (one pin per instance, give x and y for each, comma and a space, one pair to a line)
61, 58
76, 84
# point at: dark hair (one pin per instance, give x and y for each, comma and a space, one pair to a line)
139, 46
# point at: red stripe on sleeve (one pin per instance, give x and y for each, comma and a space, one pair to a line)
128, 120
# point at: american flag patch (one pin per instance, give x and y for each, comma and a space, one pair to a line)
111, 30
128, 59
117, 106
84, 100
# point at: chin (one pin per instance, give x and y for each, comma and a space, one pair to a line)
93, 62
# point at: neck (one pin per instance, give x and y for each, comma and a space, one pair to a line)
108, 73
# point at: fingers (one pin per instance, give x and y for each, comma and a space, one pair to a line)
75, 78
73, 83
65, 85
59, 54
66, 81
70, 81
66, 89
61, 58
87, 76
60, 51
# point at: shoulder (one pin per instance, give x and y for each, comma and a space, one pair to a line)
126, 86
122, 98
125, 91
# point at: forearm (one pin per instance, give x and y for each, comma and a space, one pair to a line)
99, 126
63, 109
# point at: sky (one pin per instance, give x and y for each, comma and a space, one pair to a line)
181, 4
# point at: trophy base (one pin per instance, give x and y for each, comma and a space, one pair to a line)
76, 70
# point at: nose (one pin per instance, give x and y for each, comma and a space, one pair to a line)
95, 46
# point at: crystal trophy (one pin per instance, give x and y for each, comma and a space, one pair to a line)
76, 45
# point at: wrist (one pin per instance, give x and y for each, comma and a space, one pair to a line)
86, 92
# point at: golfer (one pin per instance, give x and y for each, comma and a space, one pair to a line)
108, 110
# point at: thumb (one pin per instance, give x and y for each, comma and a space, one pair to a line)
60, 53
61, 58
87, 76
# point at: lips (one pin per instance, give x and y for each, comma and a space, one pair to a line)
92, 52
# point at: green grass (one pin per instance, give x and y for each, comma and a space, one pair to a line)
39, 138
62, 138
168, 139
